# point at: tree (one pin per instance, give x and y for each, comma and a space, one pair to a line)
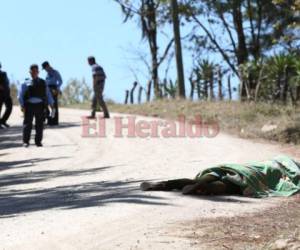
76, 92
178, 49
146, 12
241, 31
278, 78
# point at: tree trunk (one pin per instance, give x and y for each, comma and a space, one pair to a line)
150, 12
205, 89
199, 90
297, 93
178, 49
285, 86
165, 87
242, 51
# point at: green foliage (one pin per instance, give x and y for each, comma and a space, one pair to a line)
14, 93
76, 92
278, 78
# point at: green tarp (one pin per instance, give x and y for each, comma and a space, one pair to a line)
277, 177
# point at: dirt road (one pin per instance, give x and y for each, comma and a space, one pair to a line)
82, 193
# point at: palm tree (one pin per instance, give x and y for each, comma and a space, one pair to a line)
281, 70
207, 70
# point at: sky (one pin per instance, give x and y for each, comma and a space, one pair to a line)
65, 33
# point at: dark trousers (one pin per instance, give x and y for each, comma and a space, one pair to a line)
55, 119
98, 97
208, 184
8, 108
33, 111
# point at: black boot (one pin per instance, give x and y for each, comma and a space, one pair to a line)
92, 116
148, 186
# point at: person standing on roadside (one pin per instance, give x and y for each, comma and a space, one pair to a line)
98, 86
5, 98
54, 83
34, 98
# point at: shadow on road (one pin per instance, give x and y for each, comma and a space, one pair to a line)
12, 137
63, 125
6, 165
91, 194
227, 199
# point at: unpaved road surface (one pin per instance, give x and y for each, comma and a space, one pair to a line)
83, 193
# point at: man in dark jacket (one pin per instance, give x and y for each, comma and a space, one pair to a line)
5, 99
34, 98
54, 83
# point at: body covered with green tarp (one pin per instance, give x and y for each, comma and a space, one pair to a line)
277, 177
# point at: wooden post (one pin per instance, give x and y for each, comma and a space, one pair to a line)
192, 88
220, 76
140, 95
132, 92
149, 90
126, 97
229, 87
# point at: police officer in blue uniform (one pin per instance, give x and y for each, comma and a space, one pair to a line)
54, 82
34, 98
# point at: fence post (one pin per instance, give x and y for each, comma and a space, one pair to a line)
229, 88
140, 95
126, 97
132, 92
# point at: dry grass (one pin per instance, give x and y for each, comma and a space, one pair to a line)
243, 119
252, 231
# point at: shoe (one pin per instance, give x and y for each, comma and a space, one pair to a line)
5, 124
190, 189
146, 186
25, 144
1, 127
38, 144
91, 117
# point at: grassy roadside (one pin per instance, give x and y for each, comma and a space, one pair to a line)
247, 120
270, 229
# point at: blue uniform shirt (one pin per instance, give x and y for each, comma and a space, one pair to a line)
33, 100
54, 78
